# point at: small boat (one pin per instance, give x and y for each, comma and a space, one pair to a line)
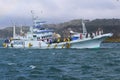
42, 38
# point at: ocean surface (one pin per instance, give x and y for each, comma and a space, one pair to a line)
61, 64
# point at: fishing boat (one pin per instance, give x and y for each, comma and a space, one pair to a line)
40, 37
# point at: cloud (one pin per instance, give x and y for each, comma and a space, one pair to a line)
59, 10
5, 7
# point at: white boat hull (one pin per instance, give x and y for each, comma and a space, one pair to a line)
80, 43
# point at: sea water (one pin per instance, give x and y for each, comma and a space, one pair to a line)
61, 64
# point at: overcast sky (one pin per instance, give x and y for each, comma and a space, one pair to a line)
55, 11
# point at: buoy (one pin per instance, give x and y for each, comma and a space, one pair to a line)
64, 40
29, 45
55, 45
4, 45
67, 45
68, 40
48, 45
58, 40
63, 46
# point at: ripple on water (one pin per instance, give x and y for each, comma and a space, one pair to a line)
11, 63
67, 77
22, 78
54, 69
60, 64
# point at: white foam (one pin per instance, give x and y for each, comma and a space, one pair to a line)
11, 63
32, 66
53, 53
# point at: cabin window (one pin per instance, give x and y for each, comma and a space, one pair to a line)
18, 42
38, 38
34, 36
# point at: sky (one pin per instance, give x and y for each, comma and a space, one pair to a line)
56, 11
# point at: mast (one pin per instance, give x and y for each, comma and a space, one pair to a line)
21, 29
31, 28
14, 35
84, 28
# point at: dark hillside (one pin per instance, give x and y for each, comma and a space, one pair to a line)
108, 25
